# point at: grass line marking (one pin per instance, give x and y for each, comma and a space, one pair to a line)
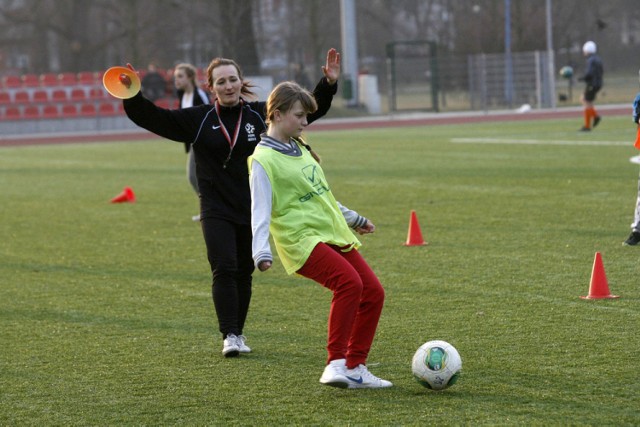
535, 141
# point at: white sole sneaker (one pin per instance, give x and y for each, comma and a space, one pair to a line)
334, 374
242, 347
230, 346
360, 377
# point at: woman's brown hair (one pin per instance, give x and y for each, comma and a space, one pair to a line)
246, 85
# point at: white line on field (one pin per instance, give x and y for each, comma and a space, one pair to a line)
535, 141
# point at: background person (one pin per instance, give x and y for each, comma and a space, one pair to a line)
292, 201
222, 137
154, 85
634, 237
189, 95
593, 80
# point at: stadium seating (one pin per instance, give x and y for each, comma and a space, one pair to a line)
12, 113
87, 110
12, 81
31, 112
32, 96
59, 95
97, 93
69, 111
40, 96
21, 97
30, 80
78, 94
50, 112
89, 78
49, 80
107, 109
67, 79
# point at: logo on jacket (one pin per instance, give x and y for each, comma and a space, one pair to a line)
251, 132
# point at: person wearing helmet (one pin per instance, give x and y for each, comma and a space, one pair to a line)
593, 80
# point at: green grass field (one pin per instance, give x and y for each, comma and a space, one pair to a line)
106, 315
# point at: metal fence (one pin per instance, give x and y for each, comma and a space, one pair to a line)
413, 80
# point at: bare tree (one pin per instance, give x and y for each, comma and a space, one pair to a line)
237, 37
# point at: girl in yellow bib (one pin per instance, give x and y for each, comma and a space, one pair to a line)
313, 234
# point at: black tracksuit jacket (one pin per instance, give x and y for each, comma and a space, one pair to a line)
222, 173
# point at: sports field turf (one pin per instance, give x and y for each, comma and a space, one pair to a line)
106, 315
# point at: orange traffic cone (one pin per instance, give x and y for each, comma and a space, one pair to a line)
414, 237
599, 288
127, 195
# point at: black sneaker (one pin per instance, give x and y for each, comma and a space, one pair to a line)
596, 120
585, 129
633, 239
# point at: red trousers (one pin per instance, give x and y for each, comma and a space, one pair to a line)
357, 301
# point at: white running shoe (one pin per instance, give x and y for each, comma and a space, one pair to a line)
195, 218
230, 346
360, 377
334, 374
243, 348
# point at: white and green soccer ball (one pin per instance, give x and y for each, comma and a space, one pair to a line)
566, 72
436, 365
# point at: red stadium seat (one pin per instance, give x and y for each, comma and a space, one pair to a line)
21, 97
40, 96
87, 110
50, 112
78, 94
97, 93
59, 95
68, 79
69, 110
31, 112
30, 80
5, 98
48, 80
12, 81
12, 113
88, 78
107, 109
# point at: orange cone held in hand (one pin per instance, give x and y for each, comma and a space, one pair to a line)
414, 237
599, 288
127, 196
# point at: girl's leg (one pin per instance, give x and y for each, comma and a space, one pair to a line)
332, 271
369, 310
356, 305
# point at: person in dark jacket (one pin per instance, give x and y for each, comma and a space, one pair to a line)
222, 137
593, 80
154, 85
189, 95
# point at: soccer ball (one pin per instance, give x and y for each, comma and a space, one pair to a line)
436, 365
566, 72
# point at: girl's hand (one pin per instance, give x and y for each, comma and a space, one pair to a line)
264, 265
331, 69
368, 228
